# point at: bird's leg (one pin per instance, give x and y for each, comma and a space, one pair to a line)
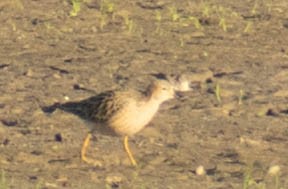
84, 149
127, 149
85, 146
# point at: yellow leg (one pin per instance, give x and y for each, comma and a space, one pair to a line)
127, 149
84, 149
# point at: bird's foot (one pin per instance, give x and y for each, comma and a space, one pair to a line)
93, 162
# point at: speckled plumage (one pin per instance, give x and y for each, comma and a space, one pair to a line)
123, 112
126, 112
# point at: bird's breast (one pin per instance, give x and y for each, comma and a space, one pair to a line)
133, 118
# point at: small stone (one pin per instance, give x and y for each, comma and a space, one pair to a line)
66, 98
33, 177
9, 122
56, 76
5, 142
29, 73
200, 170
274, 170
58, 137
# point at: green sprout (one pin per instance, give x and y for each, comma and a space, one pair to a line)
76, 7
222, 24
206, 11
158, 16
107, 7
248, 180
196, 22
254, 9
181, 42
241, 97
225, 14
3, 182
103, 21
174, 14
218, 93
130, 25
248, 27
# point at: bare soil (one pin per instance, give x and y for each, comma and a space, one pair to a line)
49, 56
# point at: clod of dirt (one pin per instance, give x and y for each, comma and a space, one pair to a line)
230, 156
36, 152
78, 87
58, 137
211, 170
114, 181
2, 66
271, 112
209, 80
285, 111
9, 122
152, 5
222, 74
93, 4
60, 70
285, 23
5, 142
33, 177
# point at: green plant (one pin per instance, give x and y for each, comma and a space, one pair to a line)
158, 18
248, 27
39, 185
129, 23
181, 42
218, 93
3, 182
248, 180
225, 15
206, 10
241, 97
130, 26
254, 9
222, 24
196, 22
107, 7
76, 7
103, 21
250, 183
175, 16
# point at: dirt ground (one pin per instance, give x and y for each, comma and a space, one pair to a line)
234, 125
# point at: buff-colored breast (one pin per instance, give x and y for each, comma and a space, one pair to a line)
134, 117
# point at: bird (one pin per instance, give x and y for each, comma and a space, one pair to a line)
123, 112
